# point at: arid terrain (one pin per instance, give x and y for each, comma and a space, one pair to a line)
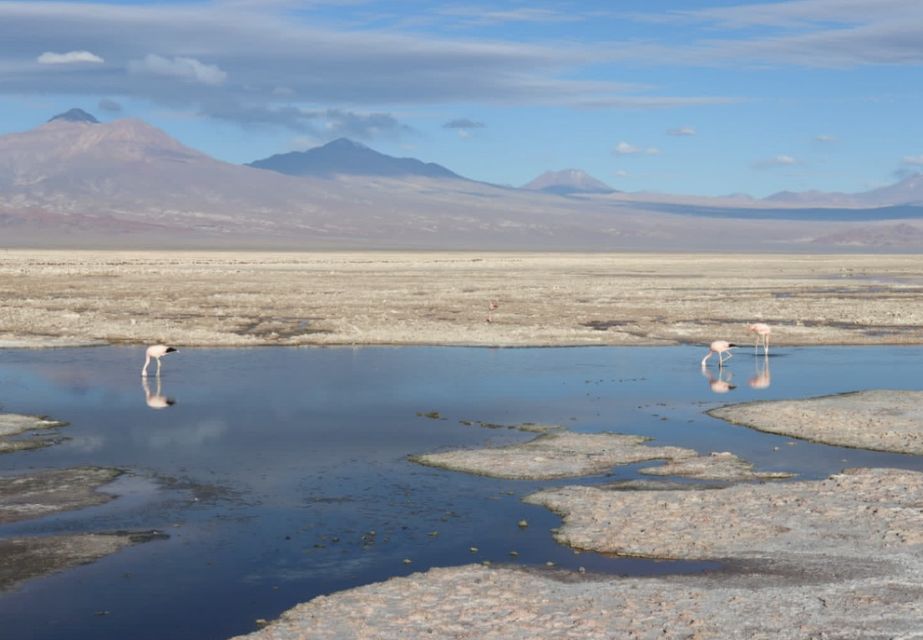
56, 298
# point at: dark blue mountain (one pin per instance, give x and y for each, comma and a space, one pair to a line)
75, 115
345, 157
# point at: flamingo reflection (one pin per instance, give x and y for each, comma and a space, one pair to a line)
156, 400
761, 378
721, 383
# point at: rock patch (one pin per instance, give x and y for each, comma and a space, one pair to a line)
882, 420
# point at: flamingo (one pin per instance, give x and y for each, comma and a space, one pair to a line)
762, 378
155, 351
762, 332
719, 384
155, 400
720, 347
491, 307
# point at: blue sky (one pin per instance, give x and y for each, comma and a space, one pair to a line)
678, 96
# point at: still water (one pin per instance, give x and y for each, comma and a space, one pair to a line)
280, 474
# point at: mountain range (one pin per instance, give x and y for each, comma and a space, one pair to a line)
77, 182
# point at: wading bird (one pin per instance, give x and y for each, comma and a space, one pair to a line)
720, 347
155, 351
721, 384
155, 400
762, 332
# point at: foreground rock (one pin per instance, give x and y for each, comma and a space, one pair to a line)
12, 424
839, 558
511, 604
556, 454
857, 513
720, 466
25, 558
46, 492
881, 420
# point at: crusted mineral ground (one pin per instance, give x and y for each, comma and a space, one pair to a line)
723, 466
25, 558
839, 558
337, 298
556, 454
12, 424
878, 419
46, 492
856, 513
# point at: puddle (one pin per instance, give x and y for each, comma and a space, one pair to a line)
280, 474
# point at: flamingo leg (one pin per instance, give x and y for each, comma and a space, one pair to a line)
147, 361
158, 367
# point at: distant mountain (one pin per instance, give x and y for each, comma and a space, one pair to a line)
75, 115
908, 191
72, 182
346, 157
568, 181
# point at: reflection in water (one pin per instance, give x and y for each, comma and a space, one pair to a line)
761, 378
156, 400
720, 384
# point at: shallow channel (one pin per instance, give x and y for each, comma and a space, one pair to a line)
281, 474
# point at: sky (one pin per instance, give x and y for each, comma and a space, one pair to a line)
702, 97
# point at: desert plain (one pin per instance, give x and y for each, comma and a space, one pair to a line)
833, 558
57, 298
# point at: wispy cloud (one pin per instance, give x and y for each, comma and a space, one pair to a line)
626, 149
463, 123
825, 138
780, 160
188, 69
71, 57
916, 161
107, 104
681, 131
260, 60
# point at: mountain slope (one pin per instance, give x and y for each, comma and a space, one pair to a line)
345, 157
568, 181
125, 183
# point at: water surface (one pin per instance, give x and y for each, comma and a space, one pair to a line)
280, 474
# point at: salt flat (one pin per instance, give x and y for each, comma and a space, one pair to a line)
57, 298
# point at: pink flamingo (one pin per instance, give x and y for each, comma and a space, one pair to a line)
156, 352
762, 379
762, 332
720, 347
719, 384
490, 309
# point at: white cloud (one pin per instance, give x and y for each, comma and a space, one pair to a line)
71, 57
188, 69
625, 149
681, 131
780, 160
825, 138
913, 160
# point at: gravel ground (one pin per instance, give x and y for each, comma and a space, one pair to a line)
879, 419
719, 466
12, 424
559, 454
839, 558
253, 298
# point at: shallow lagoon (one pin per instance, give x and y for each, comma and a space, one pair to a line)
274, 465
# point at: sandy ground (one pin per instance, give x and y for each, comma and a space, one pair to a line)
252, 298
878, 419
